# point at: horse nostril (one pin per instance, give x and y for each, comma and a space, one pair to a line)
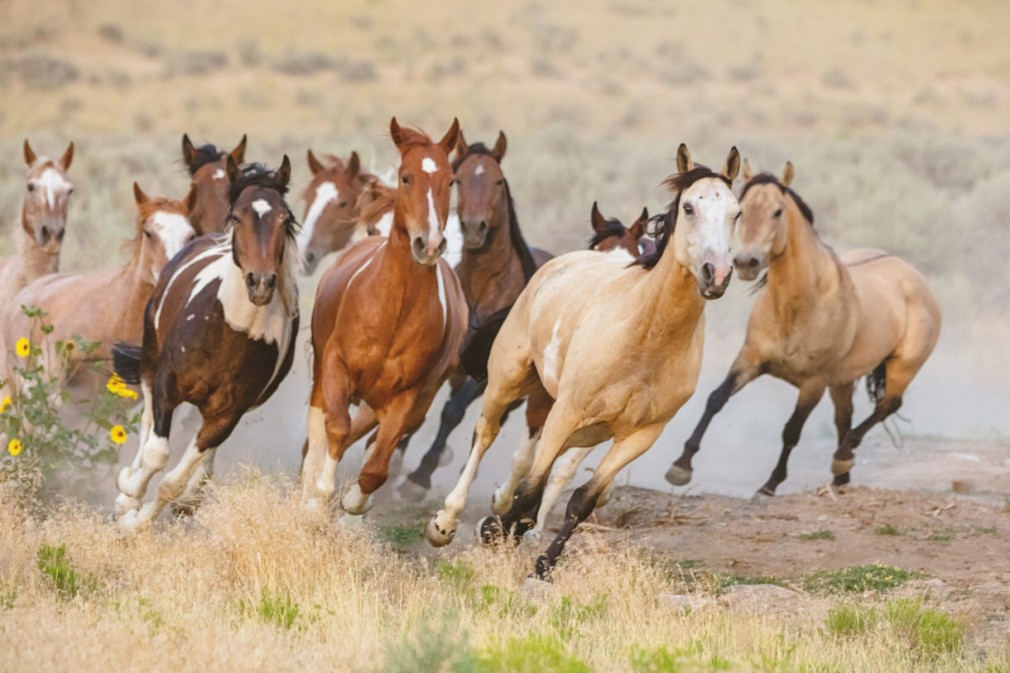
418, 245
309, 258
271, 281
707, 272
483, 225
753, 263
250, 280
60, 234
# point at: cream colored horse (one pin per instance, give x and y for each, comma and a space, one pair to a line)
820, 322
566, 341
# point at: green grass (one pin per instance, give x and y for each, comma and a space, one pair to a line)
924, 631
535, 653
8, 594
851, 620
817, 535
62, 577
401, 535
875, 577
457, 574
281, 611
886, 529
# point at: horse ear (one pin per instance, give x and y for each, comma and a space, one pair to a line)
67, 158
638, 228
314, 165
353, 166
232, 170
188, 151
684, 163
190, 200
747, 172
30, 156
139, 196
462, 147
787, 174
448, 141
732, 166
238, 154
396, 133
598, 221
283, 174
499, 147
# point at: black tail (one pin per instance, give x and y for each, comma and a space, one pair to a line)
876, 382
126, 362
477, 347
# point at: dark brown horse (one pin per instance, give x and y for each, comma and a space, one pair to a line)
207, 166
495, 266
611, 236
218, 333
387, 325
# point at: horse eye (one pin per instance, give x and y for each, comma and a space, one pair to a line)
406, 179
342, 204
777, 213
688, 209
70, 191
500, 182
31, 187
147, 234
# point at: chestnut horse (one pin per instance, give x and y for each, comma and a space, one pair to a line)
610, 235
572, 345
43, 223
332, 208
219, 333
495, 265
207, 168
387, 325
115, 298
820, 322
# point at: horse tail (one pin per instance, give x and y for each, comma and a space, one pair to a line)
876, 382
476, 349
126, 362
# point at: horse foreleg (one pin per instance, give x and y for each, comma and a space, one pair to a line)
741, 373
538, 408
190, 500
844, 457
152, 453
584, 499
841, 397
562, 475
809, 397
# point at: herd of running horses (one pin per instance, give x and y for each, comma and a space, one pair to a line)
602, 344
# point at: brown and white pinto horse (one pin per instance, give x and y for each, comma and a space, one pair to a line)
115, 298
332, 208
571, 344
387, 325
495, 265
611, 236
219, 333
207, 166
43, 223
820, 322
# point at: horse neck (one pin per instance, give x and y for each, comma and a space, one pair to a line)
34, 261
495, 262
793, 274
670, 294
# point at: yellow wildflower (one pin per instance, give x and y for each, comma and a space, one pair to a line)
23, 347
14, 446
128, 394
5, 403
117, 434
115, 384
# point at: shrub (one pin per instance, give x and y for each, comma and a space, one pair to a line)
875, 577
533, 654
63, 578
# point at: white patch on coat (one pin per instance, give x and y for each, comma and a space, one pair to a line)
621, 254
551, 355
428, 165
441, 293
480, 170
219, 174
365, 265
174, 230
261, 207
325, 193
53, 184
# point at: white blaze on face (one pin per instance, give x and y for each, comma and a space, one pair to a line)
433, 224
480, 169
709, 231
428, 165
326, 193
261, 207
174, 230
52, 185
219, 174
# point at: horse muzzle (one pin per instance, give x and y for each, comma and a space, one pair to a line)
474, 234
714, 280
426, 251
748, 266
260, 287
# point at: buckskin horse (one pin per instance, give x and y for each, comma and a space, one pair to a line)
388, 322
571, 345
820, 322
219, 333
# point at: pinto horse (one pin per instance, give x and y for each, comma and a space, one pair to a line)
611, 236
820, 322
207, 166
571, 344
495, 265
43, 223
219, 333
116, 298
387, 325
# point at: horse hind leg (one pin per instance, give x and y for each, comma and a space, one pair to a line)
561, 476
152, 453
538, 407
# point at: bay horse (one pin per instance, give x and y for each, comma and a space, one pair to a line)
207, 166
495, 265
43, 222
115, 298
820, 322
611, 236
388, 322
571, 344
332, 208
219, 333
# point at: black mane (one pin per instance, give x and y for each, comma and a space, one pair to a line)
254, 175
769, 179
666, 222
205, 154
614, 230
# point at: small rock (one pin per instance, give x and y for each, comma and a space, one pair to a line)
682, 601
963, 486
967, 457
822, 517
757, 596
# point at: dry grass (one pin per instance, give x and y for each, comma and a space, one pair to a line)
255, 584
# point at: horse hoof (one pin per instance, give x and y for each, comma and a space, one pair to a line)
438, 532
445, 458
499, 503
489, 530
840, 467
131, 522
678, 476
765, 491
543, 568
180, 510
532, 538
352, 520
355, 502
411, 491
124, 504
841, 480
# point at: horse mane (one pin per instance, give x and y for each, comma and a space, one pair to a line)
614, 230
205, 154
666, 223
515, 233
769, 179
255, 175
382, 204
